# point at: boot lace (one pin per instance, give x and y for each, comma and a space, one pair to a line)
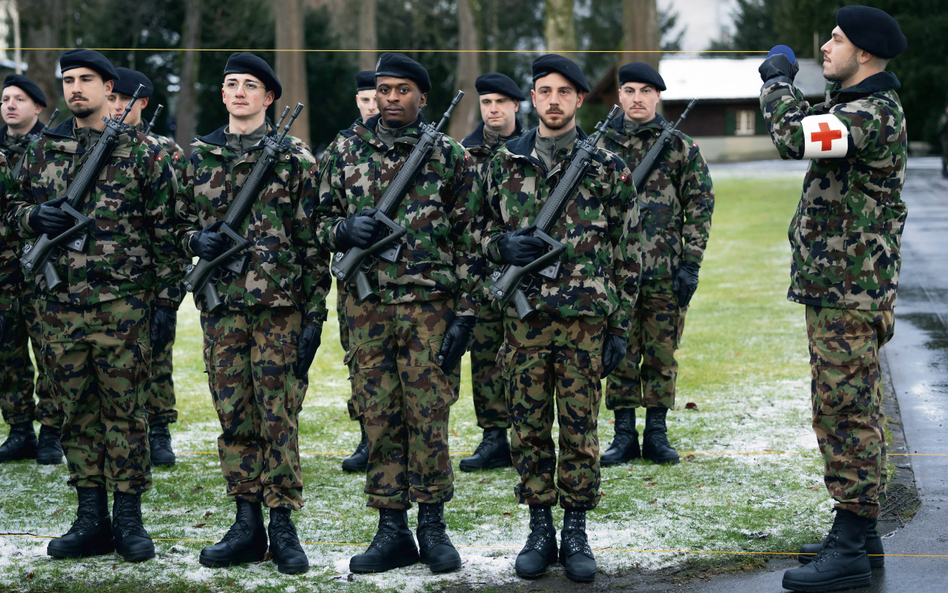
127, 518
161, 439
242, 525
284, 534
48, 438
829, 547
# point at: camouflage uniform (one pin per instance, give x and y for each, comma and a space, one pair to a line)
676, 206
396, 333
250, 342
845, 239
96, 325
553, 359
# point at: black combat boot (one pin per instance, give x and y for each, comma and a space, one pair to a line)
393, 545
655, 445
159, 439
435, 546
285, 544
359, 460
131, 539
873, 547
492, 453
50, 449
91, 532
625, 445
842, 562
540, 550
20, 443
575, 555
245, 541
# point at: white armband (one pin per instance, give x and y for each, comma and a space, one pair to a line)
824, 137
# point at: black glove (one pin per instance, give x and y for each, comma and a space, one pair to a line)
6, 327
307, 347
208, 244
359, 231
778, 68
162, 326
613, 351
685, 283
519, 248
48, 219
455, 342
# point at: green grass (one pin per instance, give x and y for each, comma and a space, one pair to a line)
743, 363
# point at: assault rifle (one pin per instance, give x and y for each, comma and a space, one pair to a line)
154, 116
351, 267
655, 153
201, 278
506, 283
37, 255
30, 139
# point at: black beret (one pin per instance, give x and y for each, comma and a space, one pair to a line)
495, 82
243, 62
27, 86
365, 80
87, 58
401, 66
128, 83
551, 63
872, 30
641, 72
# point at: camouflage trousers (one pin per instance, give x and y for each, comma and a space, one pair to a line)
847, 402
646, 376
161, 401
250, 357
18, 381
487, 378
405, 398
99, 362
552, 367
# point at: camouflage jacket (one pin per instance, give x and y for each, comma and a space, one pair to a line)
334, 145
442, 212
600, 226
14, 147
131, 248
846, 234
176, 153
476, 144
676, 202
287, 268
10, 277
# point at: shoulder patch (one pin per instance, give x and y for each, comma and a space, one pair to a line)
824, 136
159, 158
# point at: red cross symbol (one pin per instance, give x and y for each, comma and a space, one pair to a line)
826, 136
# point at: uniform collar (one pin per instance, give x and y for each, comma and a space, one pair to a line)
877, 83
523, 146
476, 138
618, 124
409, 134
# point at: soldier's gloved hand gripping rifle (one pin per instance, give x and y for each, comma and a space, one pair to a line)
201, 278
506, 284
30, 139
350, 267
657, 150
37, 255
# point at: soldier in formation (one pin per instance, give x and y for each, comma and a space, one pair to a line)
942, 129
676, 200
845, 239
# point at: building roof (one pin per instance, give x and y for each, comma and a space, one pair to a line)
727, 78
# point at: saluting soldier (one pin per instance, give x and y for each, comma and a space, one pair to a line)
407, 338
499, 99
112, 309
161, 400
676, 203
554, 360
845, 239
22, 103
260, 342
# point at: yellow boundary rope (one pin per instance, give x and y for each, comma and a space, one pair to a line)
404, 51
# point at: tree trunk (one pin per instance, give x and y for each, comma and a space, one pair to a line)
494, 34
465, 114
185, 116
560, 26
291, 64
640, 32
41, 22
368, 41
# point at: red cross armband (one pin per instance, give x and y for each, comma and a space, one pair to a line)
825, 137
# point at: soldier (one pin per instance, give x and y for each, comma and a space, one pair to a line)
500, 102
678, 198
161, 401
407, 338
259, 344
845, 239
553, 360
115, 305
23, 101
943, 137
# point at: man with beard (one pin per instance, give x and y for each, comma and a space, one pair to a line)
845, 239
555, 359
407, 338
114, 307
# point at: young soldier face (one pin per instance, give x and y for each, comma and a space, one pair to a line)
85, 91
19, 110
639, 101
365, 101
117, 103
556, 100
499, 113
840, 61
399, 100
245, 96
